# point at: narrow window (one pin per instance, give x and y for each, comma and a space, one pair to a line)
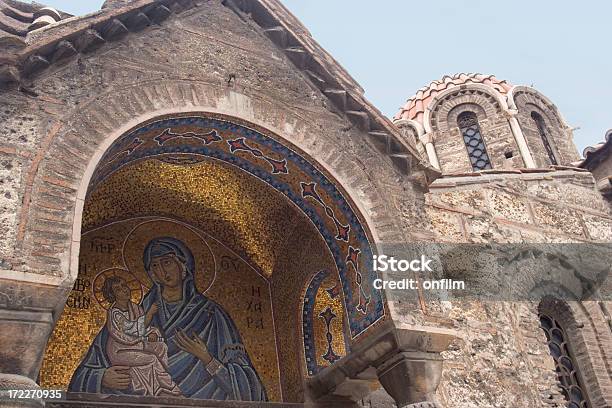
539, 121
468, 124
567, 371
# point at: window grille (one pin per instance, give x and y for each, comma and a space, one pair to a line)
477, 152
567, 371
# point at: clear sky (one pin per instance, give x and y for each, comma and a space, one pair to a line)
394, 47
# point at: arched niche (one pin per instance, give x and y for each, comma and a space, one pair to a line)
567, 327
259, 218
323, 322
527, 100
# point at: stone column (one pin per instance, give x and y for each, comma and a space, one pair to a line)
13, 382
28, 305
519, 137
411, 378
427, 140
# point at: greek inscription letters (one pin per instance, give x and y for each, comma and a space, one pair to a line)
78, 298
254, 308
102, 246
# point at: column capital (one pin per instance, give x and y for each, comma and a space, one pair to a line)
426, 138
405, 354
411, 377
510, 113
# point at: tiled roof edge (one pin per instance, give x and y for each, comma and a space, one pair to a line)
594, 154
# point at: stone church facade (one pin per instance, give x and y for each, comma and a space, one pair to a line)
220, 138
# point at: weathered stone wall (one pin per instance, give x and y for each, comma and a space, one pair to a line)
539, 206
210, 59
10, 177
502, 359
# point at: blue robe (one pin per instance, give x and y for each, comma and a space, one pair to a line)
232, 376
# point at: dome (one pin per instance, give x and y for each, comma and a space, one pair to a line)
416, 105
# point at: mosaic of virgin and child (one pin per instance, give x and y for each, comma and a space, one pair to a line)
177, 342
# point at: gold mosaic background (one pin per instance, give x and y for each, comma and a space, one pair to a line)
231, 206
232, 288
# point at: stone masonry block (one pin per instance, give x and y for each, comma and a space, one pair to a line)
446, 224
10, 202
559, 218
472, 199
599, 228
508, 206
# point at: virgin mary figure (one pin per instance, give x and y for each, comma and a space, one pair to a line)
206, 356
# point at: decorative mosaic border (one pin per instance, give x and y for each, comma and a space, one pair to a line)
267, 159
310, 352
308, 323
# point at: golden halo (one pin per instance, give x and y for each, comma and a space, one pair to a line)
137, 240
129, 278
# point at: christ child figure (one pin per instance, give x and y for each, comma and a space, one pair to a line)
133, 344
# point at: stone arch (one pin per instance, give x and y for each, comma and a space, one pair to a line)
319, 354
73, 148
454, 113
469, 125
583, 323
526, 100
78, 144
412, 131
541, 123
71, 152
538, 99
415, 126
436, 114
132, 147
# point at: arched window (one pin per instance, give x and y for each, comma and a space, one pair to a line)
468, 124
567, 370
541, 125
